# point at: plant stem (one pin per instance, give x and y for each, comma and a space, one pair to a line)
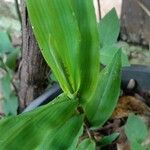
99, 9
18, 10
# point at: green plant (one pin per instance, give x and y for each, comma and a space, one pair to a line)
106, 140
67, 33
8, 57
136, 132
109, 28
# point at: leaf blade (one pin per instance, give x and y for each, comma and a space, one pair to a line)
89, 60
106, 140
32, 129
135, 129
49, 20
86, 144
109, 28
72, 53
104, 100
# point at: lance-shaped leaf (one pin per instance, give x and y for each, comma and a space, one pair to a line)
47, 127
104, 100
56, 30
68, 37
88, 58
87, 144
109, 28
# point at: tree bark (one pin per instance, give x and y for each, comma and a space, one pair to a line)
33, 69
135, 22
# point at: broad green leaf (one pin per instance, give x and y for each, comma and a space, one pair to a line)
54, 126
5, 43
57, 33
64, 137
107, 53
109, 28
89, 47
68, 42
106, 140
105, 98
135, 129
10, 100
87, 144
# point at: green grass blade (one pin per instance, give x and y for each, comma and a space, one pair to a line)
103, 102
47, 127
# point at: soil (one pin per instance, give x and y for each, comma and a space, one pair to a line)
129, 102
